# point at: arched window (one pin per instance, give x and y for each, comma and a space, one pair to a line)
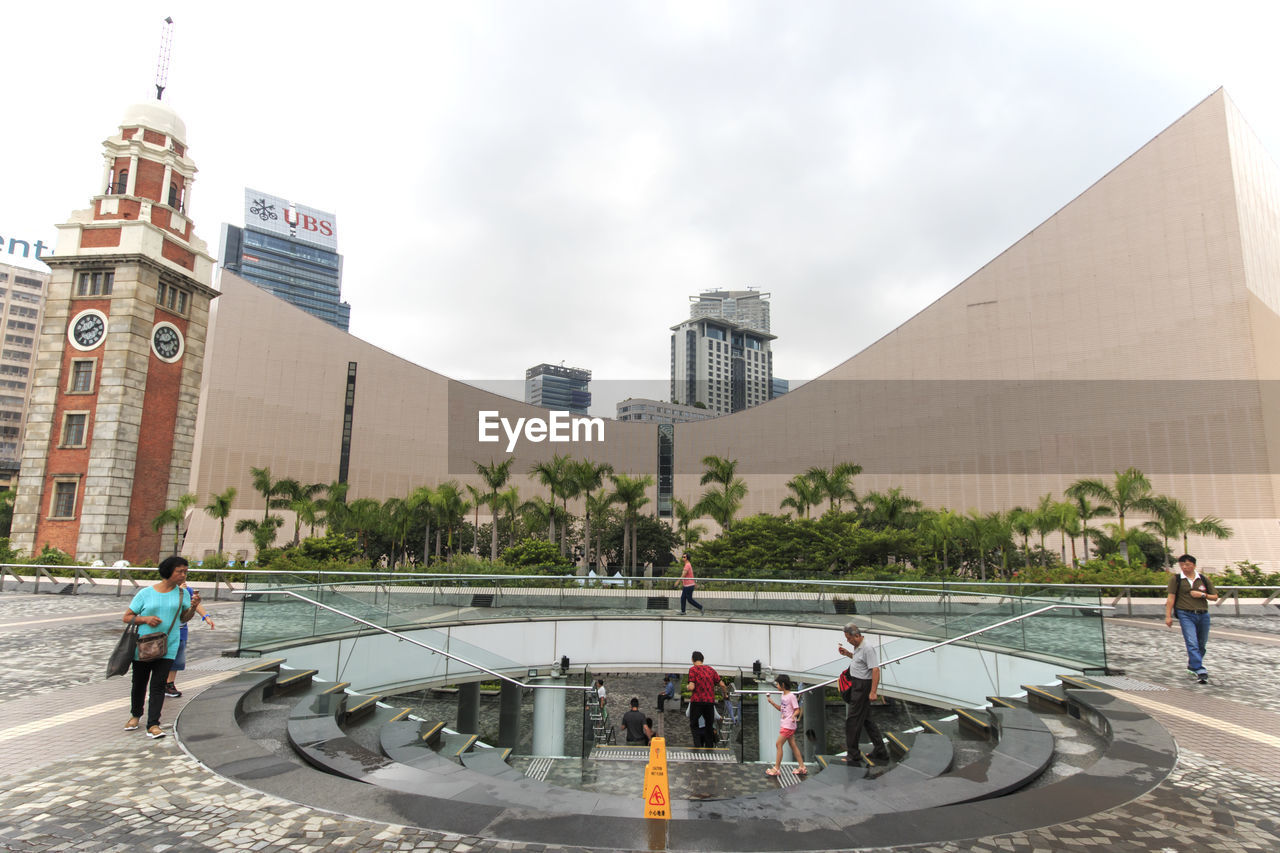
122, 182
173, 194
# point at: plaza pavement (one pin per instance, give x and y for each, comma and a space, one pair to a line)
74, 780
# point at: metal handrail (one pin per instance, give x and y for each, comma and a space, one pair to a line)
418, 643
948, 642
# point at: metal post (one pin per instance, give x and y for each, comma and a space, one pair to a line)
469, 708
814, 720
509, 702
770, 721
548, 720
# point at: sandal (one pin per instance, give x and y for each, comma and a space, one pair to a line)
803, 771
771, 772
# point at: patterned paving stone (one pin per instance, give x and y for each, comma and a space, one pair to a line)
122, 792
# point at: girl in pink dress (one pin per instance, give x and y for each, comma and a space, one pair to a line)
790, 708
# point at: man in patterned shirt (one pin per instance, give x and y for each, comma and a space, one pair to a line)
702, 702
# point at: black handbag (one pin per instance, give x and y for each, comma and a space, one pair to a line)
122, 654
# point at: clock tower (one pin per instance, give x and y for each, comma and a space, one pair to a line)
116, 384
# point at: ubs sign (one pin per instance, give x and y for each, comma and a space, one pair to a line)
266, 212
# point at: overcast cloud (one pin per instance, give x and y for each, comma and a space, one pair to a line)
521, 182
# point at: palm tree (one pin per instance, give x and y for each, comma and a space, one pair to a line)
1210, 525
334, 506
495, 476
834, 482
477, 498
685, 516
1173, 520
174, 515
263, 532
805, 492
629, 492
1022, 522
1070, 526
298, 499
537, 512
1086, 511
421, 499
451, 508
363, 516
892, 509
721, 504
264, 485
557, 475
220, 508
589, 476
599, 506
1130, 491
509, 500
1044, 519
943, 527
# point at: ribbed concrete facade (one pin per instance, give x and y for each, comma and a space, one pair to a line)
1138, 326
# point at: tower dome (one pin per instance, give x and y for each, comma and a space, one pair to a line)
156, 115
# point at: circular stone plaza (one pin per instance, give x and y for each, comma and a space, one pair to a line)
310, 728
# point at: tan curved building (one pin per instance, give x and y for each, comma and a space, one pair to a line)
1137, 326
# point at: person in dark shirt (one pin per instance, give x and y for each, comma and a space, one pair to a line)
704, 682
1189, 595
633, 723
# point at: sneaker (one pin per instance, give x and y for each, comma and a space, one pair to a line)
1203, 678
172, 691
154, 732
132, 725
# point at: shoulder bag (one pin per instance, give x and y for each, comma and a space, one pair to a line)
156, 645
122, 654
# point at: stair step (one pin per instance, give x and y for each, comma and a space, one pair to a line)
972, 720
295, 679
658, 602
482, 600
1049, 697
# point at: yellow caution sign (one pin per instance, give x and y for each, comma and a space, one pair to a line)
657, 793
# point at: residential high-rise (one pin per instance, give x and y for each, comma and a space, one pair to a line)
21, 307
290, 250
747, 308
119, 355
562, 389
723, 365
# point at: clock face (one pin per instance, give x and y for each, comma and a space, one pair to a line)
166, 342
88, 329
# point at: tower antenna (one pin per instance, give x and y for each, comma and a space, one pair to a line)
162, 64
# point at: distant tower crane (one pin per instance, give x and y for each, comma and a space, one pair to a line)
162, 64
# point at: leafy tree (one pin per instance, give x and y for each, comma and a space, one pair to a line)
654, 542
220, 508
495, 476
330, 548
535, 552
174, 515
722, 501
6, 512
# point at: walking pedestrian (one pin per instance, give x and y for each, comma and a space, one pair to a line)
702, 702
688, 584
1189, 595
790, 708
864, 671
157, 608
180, 660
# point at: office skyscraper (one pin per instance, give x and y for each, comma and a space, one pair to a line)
290, 250
563, 389
22, 293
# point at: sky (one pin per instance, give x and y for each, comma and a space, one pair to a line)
527, 182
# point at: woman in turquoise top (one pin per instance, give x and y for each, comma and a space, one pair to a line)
161, 607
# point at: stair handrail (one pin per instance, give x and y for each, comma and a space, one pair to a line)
951, 640
418, 643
